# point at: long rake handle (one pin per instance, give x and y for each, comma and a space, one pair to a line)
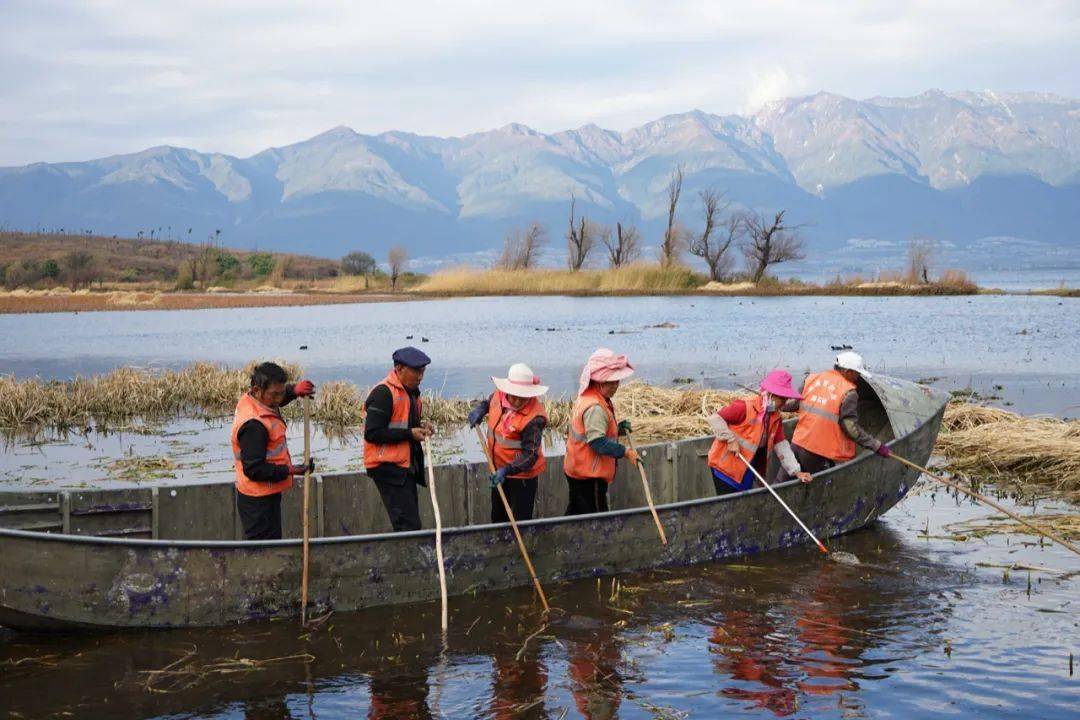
307, 522
648, 493
438, 532
513, 523
779, 500
987, 501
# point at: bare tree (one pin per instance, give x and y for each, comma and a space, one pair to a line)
714, 250
396, 259
521, 248
625, 247
769, 242
919, 254
580, 239
673, 237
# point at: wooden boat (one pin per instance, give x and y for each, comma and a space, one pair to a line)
169, 557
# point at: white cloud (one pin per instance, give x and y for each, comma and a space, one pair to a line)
82, 80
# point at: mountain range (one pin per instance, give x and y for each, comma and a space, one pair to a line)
957, 167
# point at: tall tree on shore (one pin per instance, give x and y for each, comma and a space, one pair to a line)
714, 249
673, 239
769, 242
396, 259
521, 248
359, 263
624, 247
579, 239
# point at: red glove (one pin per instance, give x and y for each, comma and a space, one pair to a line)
883, 450
304, 388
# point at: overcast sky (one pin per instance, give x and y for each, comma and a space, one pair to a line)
86, 79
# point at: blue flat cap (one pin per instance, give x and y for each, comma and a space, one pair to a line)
411, 357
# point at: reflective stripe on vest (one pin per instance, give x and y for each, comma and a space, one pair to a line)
581, 461
819, 429
277, 450
748, 435
395, 453
504, 432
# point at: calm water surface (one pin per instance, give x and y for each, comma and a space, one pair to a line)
918, 630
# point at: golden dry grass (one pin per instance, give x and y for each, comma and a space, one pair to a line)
639, 278
996, 444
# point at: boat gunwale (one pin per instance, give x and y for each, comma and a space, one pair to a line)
449, 531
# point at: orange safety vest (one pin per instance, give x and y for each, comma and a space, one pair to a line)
818, 429
582, 462
748, 433
505, 438
277, 451
396, 453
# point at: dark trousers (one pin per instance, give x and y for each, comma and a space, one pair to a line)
260, 516
401, 504
520, 493
808, 461
586, 496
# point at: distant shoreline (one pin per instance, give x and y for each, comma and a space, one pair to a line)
22, 302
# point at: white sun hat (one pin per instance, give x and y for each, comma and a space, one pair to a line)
520, 381
852, 361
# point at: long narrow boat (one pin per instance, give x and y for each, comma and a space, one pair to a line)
169, 557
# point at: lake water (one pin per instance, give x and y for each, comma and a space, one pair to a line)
921, 629
918, 630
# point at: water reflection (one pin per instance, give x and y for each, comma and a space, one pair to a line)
779, 635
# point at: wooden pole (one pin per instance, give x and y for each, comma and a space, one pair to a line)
307, 524
648, 493
438, 531
513, 523
987, 501
790, 512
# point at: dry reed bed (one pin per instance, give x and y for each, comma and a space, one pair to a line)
638, 278
996, 444
976, 440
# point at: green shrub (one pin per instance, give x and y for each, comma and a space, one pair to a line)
261, 263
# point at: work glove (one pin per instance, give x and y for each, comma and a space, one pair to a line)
624, 427
477, 415
498, 477
301, 468
304, 388
883, 450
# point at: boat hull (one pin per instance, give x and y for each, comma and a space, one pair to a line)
52, 581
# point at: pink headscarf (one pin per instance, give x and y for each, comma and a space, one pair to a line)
604, 366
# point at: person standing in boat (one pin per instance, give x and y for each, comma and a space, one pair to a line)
263, 465
393, 433
828, 428
592, 446
516, 421
751, 429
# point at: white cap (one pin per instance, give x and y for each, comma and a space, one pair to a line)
852, 361
520, 381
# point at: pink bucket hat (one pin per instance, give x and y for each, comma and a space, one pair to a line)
604, 366
778, 382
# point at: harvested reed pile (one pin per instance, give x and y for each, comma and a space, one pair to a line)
1065, 524
997, 444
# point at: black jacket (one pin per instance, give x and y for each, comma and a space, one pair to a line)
253, 439
379, 407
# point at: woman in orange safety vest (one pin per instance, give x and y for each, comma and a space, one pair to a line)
516, 419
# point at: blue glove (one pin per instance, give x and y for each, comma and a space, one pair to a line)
624, 427
498, 477
477, 415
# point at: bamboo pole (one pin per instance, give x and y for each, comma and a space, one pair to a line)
307, 522
648, 493
513, 523
790, 511
987, 501
438, 531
